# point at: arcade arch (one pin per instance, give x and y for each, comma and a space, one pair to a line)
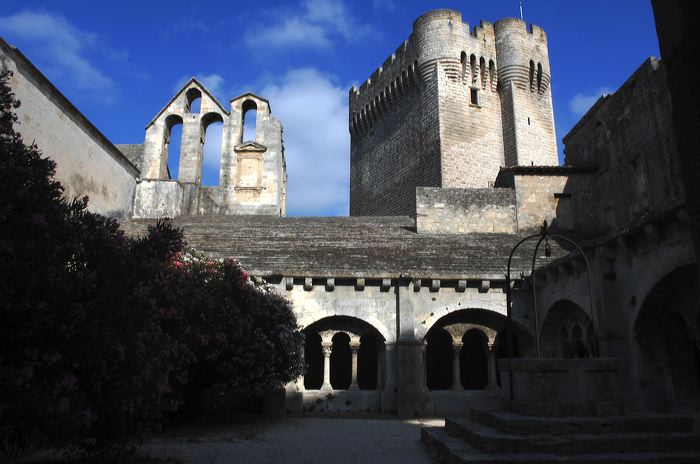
343, 353
668, 337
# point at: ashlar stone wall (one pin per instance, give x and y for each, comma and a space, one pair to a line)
463, 211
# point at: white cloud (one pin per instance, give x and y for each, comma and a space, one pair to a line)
213, 82
581, 103
63, 48
317, 25
387, 5
313, 110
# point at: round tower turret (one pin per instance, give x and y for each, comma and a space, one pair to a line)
522, 55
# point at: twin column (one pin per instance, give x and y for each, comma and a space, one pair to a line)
327, 348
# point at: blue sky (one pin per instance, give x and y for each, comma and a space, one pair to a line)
120, 62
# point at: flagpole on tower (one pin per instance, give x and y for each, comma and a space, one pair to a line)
521, 9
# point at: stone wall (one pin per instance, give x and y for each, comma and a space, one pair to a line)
86, 162
461, 211
629, 137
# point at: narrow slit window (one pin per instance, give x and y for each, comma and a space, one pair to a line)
474, 97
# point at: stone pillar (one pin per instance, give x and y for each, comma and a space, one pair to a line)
300, 380
425, 366
380, 368
326, 347
456, 376
354, 348
493, 380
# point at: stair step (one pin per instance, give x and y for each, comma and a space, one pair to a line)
509, 422
490, 439
451, 449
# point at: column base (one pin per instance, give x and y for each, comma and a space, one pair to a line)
354, 387
326, 387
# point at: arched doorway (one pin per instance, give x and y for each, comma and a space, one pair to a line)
666, 333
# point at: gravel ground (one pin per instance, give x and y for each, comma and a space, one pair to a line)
297, 440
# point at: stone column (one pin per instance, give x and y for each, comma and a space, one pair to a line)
425, 366
493, 380
326, 347
354, 348
380, 368
456, 376
300, 380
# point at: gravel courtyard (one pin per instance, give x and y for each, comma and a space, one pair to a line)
296, 440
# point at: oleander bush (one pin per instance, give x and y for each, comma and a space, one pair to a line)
100, 332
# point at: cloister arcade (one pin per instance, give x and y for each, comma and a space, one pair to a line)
342, 353
461, 350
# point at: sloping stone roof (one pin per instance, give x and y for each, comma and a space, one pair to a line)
370, 247
133, 151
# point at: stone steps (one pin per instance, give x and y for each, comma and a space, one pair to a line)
452, 449
487, 438
509, 422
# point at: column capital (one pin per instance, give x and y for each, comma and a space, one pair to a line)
326, 350
457, 345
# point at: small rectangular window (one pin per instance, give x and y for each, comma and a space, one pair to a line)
475, 97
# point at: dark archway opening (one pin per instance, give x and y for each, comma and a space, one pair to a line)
313, 357
341, 359
563, 332
367, 358
670, 359
473, 363
438, 358
682, 356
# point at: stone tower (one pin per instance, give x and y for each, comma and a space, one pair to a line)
252, 173
448, 109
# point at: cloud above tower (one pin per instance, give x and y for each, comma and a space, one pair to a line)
313, 24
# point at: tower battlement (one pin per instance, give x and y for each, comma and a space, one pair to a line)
453, 102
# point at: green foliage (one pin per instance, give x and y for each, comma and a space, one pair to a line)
98, 331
